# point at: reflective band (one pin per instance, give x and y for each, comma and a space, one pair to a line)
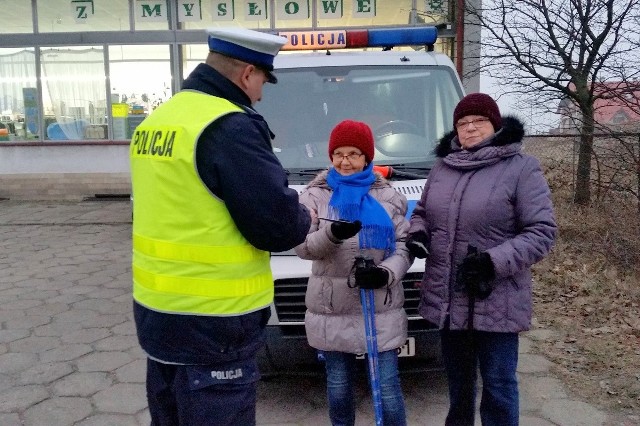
205, 287
201, 305
196, 253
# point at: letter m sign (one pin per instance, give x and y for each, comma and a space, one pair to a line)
151, 10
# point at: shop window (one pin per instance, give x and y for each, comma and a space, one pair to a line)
18, 94
193, 55
73, 92
140, 81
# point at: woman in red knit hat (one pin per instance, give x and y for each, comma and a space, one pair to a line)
372, 223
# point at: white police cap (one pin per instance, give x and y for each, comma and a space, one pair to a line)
253, 47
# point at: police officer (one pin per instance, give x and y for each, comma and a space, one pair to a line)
211, 200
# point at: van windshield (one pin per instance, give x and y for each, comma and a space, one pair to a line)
408, 109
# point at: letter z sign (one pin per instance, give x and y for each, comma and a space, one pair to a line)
82, 10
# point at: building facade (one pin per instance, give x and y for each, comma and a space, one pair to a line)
77, 76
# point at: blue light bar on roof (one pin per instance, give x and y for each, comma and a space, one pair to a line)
344, 39
390, 37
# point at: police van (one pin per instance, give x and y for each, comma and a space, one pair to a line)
390, 79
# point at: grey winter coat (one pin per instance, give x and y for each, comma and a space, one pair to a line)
334, 320
493, 197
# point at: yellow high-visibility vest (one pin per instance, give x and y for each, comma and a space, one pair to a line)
188, 255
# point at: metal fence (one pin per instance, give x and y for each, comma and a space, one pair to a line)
615, 162
609, 228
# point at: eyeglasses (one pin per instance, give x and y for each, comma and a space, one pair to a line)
352, 156
477, 122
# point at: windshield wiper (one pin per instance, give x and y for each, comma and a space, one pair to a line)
305, 172
406, 167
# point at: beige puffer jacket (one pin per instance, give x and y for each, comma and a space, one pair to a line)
334, 320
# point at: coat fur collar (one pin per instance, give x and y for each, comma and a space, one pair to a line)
512, 132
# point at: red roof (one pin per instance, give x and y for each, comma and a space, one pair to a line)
616, 98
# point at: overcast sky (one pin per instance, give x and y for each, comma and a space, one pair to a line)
535, 121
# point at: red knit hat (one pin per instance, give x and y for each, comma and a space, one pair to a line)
478, 104
352, 133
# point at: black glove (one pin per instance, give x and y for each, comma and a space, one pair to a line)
371, 277
345, 230
417, 245
476, 273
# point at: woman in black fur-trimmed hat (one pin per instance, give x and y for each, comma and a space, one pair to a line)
484, 218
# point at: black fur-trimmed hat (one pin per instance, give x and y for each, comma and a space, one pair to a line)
478, 104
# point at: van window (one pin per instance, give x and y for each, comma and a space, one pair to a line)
408, 109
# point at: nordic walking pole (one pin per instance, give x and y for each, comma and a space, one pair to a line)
470, 364
369, 313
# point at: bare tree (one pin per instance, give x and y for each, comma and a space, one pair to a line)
545, 51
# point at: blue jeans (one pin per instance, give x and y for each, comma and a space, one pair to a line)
341, 368
497, 356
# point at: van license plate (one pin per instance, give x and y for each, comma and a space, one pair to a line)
409, 347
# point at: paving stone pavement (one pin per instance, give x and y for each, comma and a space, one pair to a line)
69, 354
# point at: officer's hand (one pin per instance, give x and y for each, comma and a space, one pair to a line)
345, 230
475, 274
371, 277
417, 245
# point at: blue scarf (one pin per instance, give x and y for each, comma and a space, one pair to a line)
351, 201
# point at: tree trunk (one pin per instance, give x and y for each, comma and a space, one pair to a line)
637, 158
582, 194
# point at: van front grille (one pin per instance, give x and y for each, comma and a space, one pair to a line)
290, 292
412, 293
289, 299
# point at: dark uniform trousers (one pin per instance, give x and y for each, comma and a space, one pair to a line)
199, 395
